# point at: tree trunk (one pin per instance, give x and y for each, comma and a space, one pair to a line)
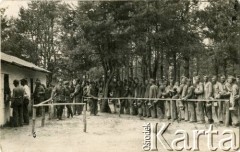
216, 67
156, 63
225, 67
186, 66
161, 65
105, 107
174, 67
178, 72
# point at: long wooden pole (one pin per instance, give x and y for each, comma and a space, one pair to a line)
43, 116
161, 99
84, 119
33, 121
119, 102
227, 117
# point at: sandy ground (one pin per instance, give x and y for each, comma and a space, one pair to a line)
105, 133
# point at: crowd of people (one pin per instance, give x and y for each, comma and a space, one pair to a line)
176, 94
161, 99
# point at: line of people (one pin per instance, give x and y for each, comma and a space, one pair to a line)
209, 89
74, 91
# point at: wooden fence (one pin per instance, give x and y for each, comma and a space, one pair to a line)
227, 103
47, 103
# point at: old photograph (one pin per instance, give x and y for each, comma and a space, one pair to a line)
120, 76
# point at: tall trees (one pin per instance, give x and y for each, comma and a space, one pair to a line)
220, 23
120, 36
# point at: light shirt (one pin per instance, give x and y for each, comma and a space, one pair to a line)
27, 92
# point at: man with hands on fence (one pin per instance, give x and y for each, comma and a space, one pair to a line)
58, 96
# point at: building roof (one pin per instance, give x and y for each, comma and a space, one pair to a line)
21, 63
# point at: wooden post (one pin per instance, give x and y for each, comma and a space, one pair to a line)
227, 118
172, 110
86, 103
52, 111
84, 119
49, 112
119, 102
33, 120
43, 116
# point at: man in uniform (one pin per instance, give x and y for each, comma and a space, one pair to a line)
141, 103
175, 95
216, 95
146, 95
77, 95
208, 92
26, 99
169, 92
67, 98
153, 94
17, 97
127, 93
180, 103
160, 104
58, 96
191, 104
199, 90
113, 93
184, 107
137, 94
234, 97
224, 94
38, 95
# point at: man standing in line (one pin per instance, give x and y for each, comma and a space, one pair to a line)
169, 91
17, 98
146, 95
38, 95
160, 104
67, 98
153, 94
199, 90
208, 92
185, 103
141, 105
216, 95
113, 94
180, 103
77, 95
224, 94
174, 95
58, 95
191, 104
26, 99
234, 97
136, 94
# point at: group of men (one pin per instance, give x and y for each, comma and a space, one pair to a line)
20, 100
21, 97
73, 91
164, 99
169, 99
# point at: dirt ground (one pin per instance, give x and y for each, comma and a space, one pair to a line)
105, 133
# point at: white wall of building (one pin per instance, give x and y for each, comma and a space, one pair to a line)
18, 73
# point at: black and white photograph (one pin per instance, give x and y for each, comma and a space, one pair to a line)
120, 75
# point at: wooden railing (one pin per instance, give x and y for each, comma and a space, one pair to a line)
51, 104
227, 117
